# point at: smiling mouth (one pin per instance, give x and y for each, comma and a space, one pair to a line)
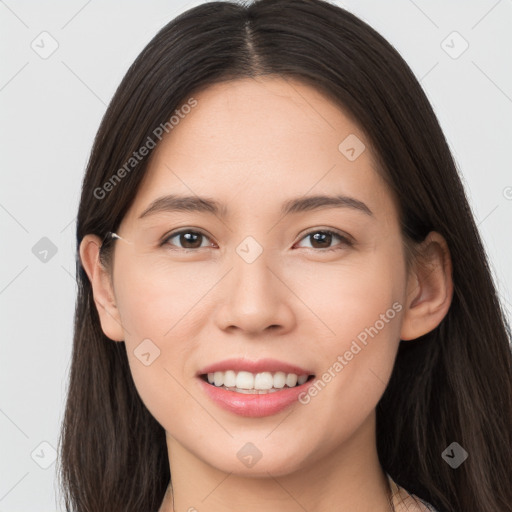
255, 383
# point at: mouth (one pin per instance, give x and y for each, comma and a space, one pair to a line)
254, 388
261, 383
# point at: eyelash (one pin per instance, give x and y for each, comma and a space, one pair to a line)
345, 240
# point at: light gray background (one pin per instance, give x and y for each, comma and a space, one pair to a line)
51, 109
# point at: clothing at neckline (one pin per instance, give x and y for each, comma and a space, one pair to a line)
405, 502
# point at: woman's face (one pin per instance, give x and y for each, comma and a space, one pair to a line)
260, 281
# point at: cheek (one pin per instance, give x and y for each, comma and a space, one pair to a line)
360, 309
157, 308
155, 294
348, 296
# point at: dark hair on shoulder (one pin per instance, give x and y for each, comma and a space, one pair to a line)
451, 385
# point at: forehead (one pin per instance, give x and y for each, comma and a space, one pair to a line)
250, 142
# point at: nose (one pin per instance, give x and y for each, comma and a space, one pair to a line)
255, 298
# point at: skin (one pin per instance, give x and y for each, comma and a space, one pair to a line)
253, 144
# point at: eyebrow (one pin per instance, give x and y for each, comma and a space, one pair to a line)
176, 203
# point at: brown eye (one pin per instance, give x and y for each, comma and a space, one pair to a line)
322, 239
188, 239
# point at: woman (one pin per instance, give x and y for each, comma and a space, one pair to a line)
284, 302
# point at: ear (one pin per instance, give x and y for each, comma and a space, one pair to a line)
102, 288
429, 288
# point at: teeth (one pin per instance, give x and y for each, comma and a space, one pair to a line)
245, 380
253, 383
291, 380
229, 379
218, 378
280, 380
302, 379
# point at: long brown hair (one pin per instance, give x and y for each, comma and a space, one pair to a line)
451, 385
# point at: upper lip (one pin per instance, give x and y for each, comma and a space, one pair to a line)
259, 366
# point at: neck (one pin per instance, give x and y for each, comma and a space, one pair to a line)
349, 478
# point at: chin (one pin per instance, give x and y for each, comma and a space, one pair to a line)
252, 462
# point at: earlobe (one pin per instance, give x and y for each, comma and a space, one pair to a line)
102, 289
430, 288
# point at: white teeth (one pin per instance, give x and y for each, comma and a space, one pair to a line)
218, 378
230, 379
260, 382
279, 380
291, 380
263, 381
245, 380
302, 379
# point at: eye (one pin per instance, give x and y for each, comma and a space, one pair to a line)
191, 239
323, 238
188, 238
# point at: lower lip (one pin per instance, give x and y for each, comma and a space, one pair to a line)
254, 406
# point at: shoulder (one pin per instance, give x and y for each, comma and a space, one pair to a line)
405, 502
